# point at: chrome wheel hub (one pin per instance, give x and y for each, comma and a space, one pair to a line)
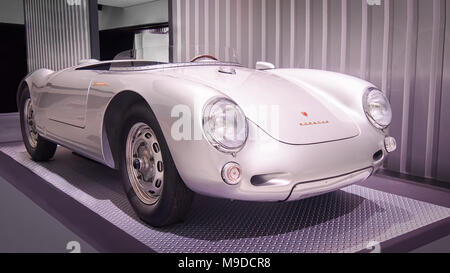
30, 125
144, 163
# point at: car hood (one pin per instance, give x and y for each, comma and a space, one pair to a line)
286, 111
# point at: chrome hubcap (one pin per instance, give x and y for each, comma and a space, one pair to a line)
144, 163
30, 125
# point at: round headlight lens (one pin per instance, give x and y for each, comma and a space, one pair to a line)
225, 125
377, 108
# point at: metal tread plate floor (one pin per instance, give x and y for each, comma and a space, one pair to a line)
343, 221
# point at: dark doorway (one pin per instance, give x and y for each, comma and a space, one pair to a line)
114, 41
13, 67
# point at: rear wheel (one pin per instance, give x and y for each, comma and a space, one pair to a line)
151, 180
39, 148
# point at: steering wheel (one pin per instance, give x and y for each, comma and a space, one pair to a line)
204, 56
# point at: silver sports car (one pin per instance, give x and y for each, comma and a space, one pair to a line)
209, 127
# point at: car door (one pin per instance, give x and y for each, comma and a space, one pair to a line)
67, 96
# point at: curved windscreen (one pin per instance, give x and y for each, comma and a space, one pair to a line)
172, 54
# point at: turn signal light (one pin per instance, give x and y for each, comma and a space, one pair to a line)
232, 173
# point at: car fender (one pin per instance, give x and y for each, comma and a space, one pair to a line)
341, 88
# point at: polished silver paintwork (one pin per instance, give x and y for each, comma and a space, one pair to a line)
286, 163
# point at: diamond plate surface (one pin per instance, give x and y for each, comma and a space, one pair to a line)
342, 221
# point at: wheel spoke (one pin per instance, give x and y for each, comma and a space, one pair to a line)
29, 123
152, 188
144, 163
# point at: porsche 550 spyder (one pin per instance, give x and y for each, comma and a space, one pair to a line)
175, 129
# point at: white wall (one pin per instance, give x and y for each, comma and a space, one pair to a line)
149, 13
11, 11
152, 46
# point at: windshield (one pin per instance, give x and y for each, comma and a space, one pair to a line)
170, 54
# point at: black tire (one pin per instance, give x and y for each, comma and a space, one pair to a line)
44, 150
175, 199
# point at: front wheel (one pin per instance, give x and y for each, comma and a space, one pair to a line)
151, 180
39, 148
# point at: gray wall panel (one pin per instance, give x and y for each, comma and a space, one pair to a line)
421, 89
285, 34
270, 31
375, 45
334, 36
256, 41
443, 169
300, 33
402, 46
354, 37
395, 89
316, 34
58, 33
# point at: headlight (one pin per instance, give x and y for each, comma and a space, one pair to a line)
377, 107
225, 125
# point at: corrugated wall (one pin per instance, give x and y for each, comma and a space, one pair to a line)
402, 46
58, 33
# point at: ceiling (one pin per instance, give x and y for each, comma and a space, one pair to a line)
123, 3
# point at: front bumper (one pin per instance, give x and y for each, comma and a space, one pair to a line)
313, 188
273, 171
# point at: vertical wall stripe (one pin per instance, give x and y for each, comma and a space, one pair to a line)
308, 34
386, 48
277, 33
27, 31
263, 29
77, 31
178, 30
343, 63
48, 18
433, 88
63, 36
80, 33
54, 40
239, 29
292, 35
70, 33
206, 15
60, 56
408, 86
74, 34
45, 55
324, 34
187, 22
48, 37
217, 27
31, 51
52, 34
364, 34
197, 27
54, 45
49, 54
386, 57
250, 31
85, 22
227, 29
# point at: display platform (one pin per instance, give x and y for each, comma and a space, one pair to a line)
348, 220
